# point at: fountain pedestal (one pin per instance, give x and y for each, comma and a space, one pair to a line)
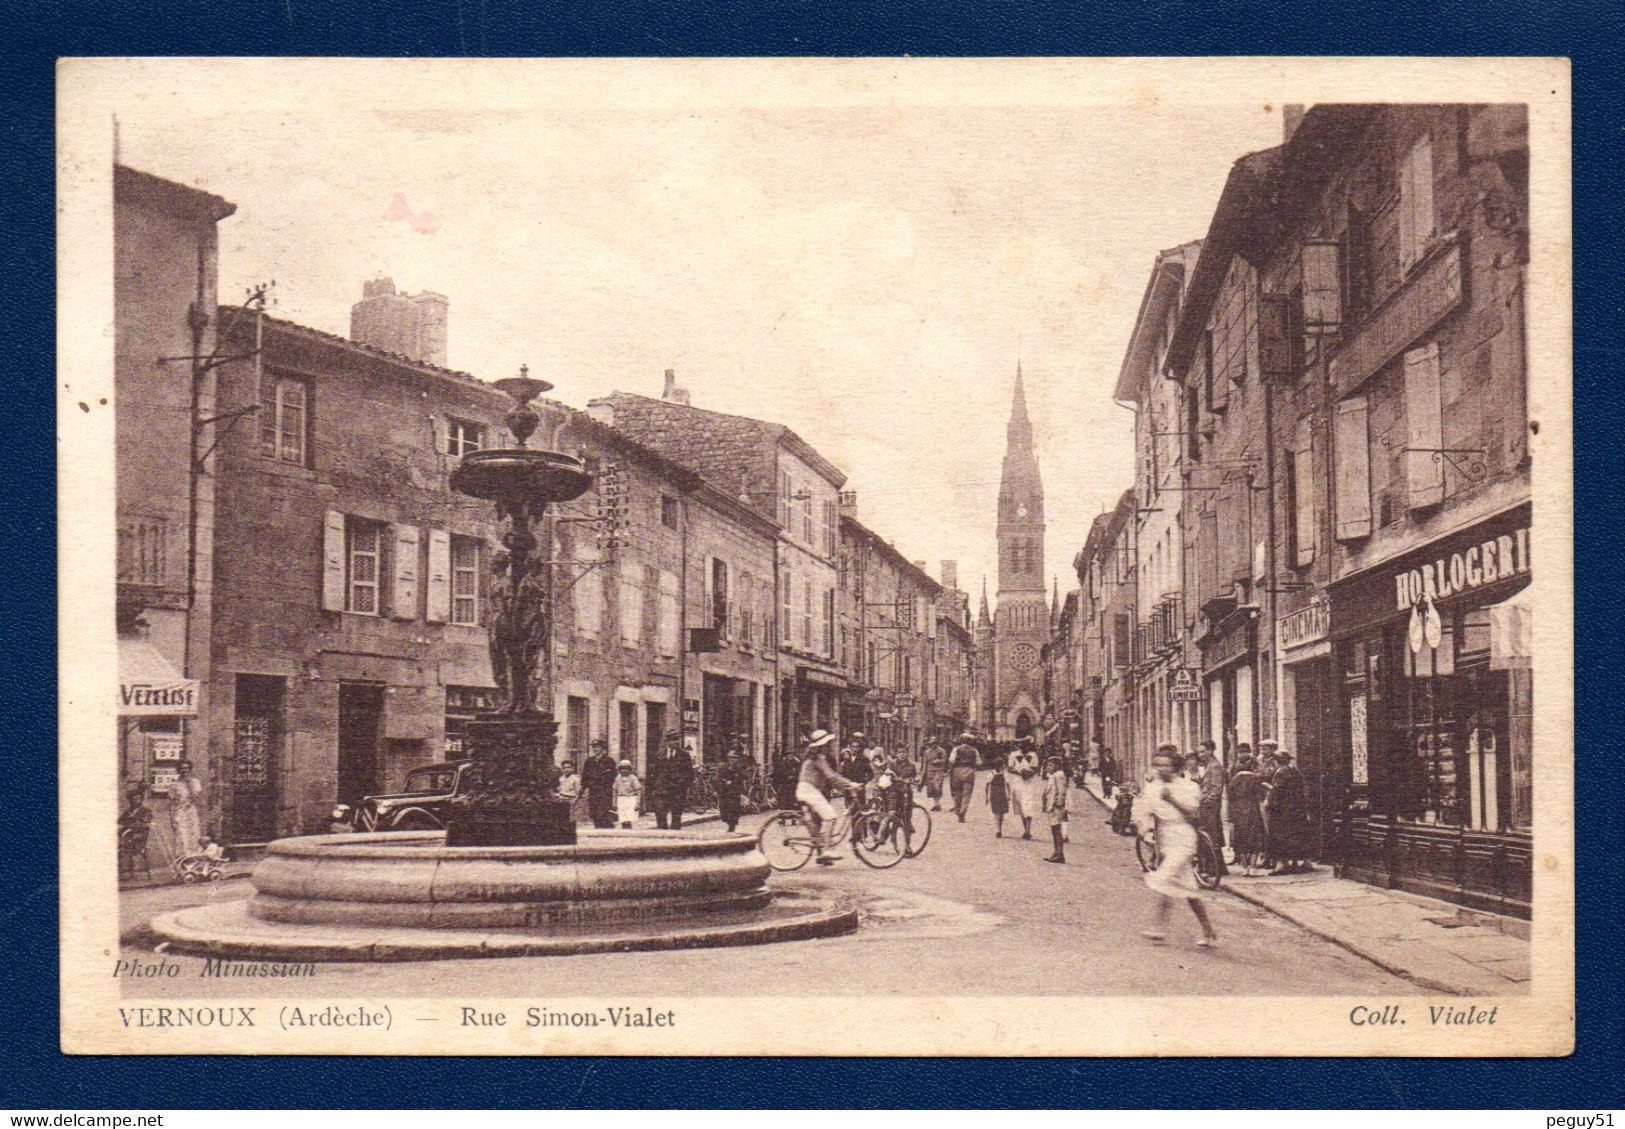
510, 796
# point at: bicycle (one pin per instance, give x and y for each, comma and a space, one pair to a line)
1209, 864
879, 837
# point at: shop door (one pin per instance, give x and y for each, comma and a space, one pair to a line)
628, 735
654, 730
361, 712
251, 813
1317, 750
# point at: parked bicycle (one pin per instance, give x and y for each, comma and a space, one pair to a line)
1209, 863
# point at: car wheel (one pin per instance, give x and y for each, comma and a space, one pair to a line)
415, 821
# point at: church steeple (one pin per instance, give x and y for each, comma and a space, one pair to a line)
983, 618
1021, 502
1018, 433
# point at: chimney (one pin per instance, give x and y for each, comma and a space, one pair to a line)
409, 325
1291, 118
849, 503
950, 575
675, 393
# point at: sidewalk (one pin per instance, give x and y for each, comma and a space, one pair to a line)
1434, 944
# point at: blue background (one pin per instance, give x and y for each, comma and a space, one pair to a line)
34, 1075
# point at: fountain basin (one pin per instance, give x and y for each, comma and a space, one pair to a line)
408, 896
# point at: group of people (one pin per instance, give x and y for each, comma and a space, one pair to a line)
1267, 805
615, 794
1018, 786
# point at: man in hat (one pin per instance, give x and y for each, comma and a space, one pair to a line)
1211, 777
670, 775
818, 776
598, 774
962, 774
1286, 816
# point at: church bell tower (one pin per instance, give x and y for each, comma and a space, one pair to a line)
1021, 624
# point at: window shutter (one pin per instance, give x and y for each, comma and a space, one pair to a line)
437, 606
333, 549
1303, 494
1322, 291
1274, 344
405, 596
1424, 427
1351, 455
1416, 201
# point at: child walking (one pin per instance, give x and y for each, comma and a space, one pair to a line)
1053, 804
628, 789
998, 798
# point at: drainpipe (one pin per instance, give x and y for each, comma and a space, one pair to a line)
1273, 669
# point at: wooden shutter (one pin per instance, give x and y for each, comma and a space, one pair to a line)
1416, 201
1424, 427
1322, 289
437, 606
404, 597
1303, 495
1351, 455
333, 562
1122, 640
1274, 336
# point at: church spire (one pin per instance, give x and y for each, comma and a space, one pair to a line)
1019, 432
984, 618
1055, 602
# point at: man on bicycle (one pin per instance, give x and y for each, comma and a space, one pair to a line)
818, 775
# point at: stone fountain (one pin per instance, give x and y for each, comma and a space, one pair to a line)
508, 876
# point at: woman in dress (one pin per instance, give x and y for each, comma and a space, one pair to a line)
1175, 803
184, 817
1246, 793
1288, 811
1026, 787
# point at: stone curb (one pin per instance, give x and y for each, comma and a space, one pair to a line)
1362, 951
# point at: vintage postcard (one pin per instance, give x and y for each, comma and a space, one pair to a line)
817, 557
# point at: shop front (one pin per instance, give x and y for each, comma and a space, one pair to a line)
154, 705
813, 701
1310, 717
1433, 658
1229, 667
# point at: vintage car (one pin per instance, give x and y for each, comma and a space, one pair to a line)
420, 805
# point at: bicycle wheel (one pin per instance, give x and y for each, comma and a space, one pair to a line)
785, 841
879, 840
1208, 875
919, 834
1146, 851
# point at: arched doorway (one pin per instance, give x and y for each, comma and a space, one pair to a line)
1024, 725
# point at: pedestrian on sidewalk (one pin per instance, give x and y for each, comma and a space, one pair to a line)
1108, 771
1246, 793
1026, 787
962, 774
1211, 779
786, 772
628, 790
731, 788
184, 816
670, 775
998, 799
933, 768
1054, 800
598, 779
1288, 817
1175, 806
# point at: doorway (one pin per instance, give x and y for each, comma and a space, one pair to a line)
361, 712
1315, 745
627, 732
256, 743
654, 731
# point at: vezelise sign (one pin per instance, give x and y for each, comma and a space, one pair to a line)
148, 699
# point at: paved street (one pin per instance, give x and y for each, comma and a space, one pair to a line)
973, 915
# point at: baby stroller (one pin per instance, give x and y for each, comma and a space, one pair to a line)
205, 865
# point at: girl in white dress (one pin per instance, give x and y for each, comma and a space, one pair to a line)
1175, 803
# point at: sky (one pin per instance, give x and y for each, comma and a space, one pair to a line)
862, 263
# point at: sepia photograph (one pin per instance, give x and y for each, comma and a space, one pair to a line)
816, 557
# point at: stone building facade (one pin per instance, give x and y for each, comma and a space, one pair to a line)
165, 257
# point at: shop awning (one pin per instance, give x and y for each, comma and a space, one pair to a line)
1512, 629
148, 686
